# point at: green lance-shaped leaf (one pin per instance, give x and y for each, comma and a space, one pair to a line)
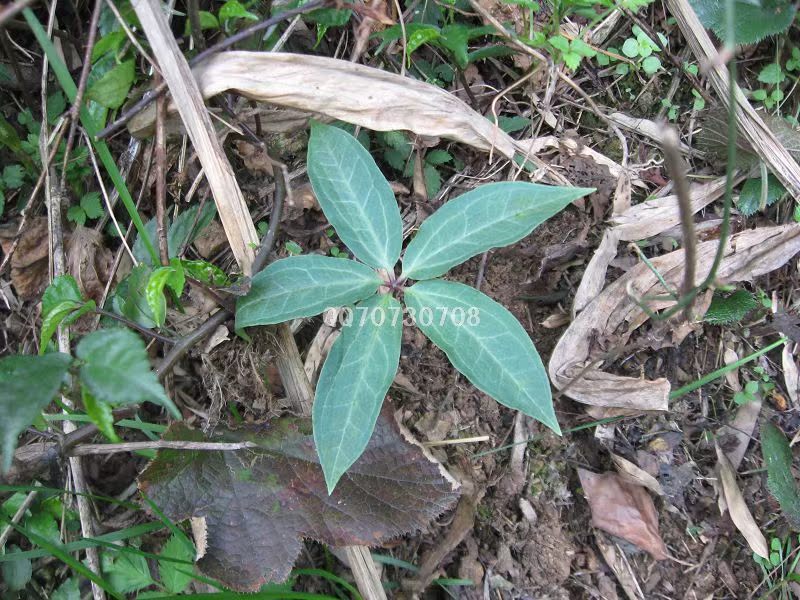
27, 385
304, 286
487, 217
116, 370
172, 277
62, 302
486, 343
355, 196
353, 383
778, 457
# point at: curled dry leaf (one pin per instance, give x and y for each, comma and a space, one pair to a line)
623, 509
342, 90
635, 475
259, 503
29, 264
89, 261
740, 514
791, 376
613, 316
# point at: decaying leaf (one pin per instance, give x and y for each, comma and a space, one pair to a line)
351, 92
623, 509
637, 476
89, 261
735, 504
613, 316
791, 375
259, 503
29, 264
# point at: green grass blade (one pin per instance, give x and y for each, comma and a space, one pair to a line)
100, 147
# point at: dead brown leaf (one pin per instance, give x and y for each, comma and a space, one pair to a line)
30, 262
89, 261
351, 92
613, 316
732, 499
623, 509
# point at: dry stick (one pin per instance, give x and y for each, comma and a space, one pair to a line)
677, 172
90, 449
23, 508
75, 109
53, 202
755, 131
161, 178
193, 8
139, 106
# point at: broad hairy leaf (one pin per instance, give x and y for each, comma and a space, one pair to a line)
112, 88
493, 215
304, 286
353, 383
749, 200
260, 503
62, 302
778, 457
753, 20
27, 385
486, 343
355, 196
115, 369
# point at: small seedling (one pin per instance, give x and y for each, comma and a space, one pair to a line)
481, 338
640, 48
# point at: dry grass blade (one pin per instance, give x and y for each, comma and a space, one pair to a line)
230, 203
614, 316
751, 125
740, 514
342, 90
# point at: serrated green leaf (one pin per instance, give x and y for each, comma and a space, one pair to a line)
13, 176
455, 38
16, 573
493, 215
100, 413
753, 20
112, 88
749, 200
578, 46
170, 573
572, 60
353, 383
303, 286
116, 369
355, 196
77, 215
91, 205
56, 105
559, 42
772, 74
27, 385
778, 458
68, 590
440, 157
127, 572
60, 298
486, 343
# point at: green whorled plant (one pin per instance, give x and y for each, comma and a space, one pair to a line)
482, 339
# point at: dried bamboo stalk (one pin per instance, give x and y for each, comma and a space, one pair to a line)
764, 142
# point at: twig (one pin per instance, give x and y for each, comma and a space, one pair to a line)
9, 52
134, 325
53, 202
75, 109
161, 177
281, 186
90, 449
193, 8
183, 345
12, 10
139, 106
23, 508
677, 171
